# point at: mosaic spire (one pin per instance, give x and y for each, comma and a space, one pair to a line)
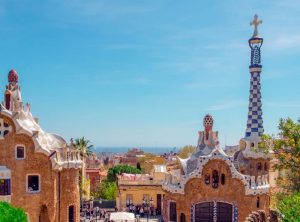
255, 128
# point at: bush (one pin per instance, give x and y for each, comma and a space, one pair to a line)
10, 214
106, 190
289, 206
119, 169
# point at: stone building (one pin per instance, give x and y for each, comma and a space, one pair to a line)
38, 170
95, 176
139, 189
216, 184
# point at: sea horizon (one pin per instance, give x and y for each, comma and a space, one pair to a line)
120, 149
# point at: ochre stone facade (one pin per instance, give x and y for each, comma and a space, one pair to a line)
56, 202
233, 192
39, 171
136, 191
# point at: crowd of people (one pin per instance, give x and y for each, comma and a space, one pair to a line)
94, 213
141, 210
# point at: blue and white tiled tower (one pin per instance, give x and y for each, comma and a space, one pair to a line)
255, 128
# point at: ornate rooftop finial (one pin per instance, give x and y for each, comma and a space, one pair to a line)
255, 23
13, 76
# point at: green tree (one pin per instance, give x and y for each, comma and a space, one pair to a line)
185, 151
289, 206
10, 214
287, 151
85, 148
106, 190
119, 169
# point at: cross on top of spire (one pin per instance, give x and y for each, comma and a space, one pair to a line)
256, 22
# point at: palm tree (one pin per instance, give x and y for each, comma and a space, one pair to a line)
85, 149
83, 146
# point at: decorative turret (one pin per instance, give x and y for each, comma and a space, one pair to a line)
208, 123
12, 95
208, 139
255, 128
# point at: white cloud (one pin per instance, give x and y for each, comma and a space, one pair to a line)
291, 41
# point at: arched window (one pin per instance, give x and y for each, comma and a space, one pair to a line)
257, 202
259, 166
266, 167
223, 179
215, 179
182, 217
207, 179
71, 213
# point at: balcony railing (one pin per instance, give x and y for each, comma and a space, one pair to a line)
66, 158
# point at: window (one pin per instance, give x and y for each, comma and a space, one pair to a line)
259, 166
182, 217
215, 179
33, 183
71, 213
223, 179
257, 202
20, 152
207, 179
128, 199
4, 187
266, 167
173, 213
7, 101
7, 129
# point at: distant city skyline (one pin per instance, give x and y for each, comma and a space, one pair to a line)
145, 73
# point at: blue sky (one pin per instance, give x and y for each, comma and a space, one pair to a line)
144, 73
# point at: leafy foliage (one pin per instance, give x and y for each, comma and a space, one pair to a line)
185, 151
289, 206
10, 214
266, 144
83, 146
287, 150
119, 169
106, 190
